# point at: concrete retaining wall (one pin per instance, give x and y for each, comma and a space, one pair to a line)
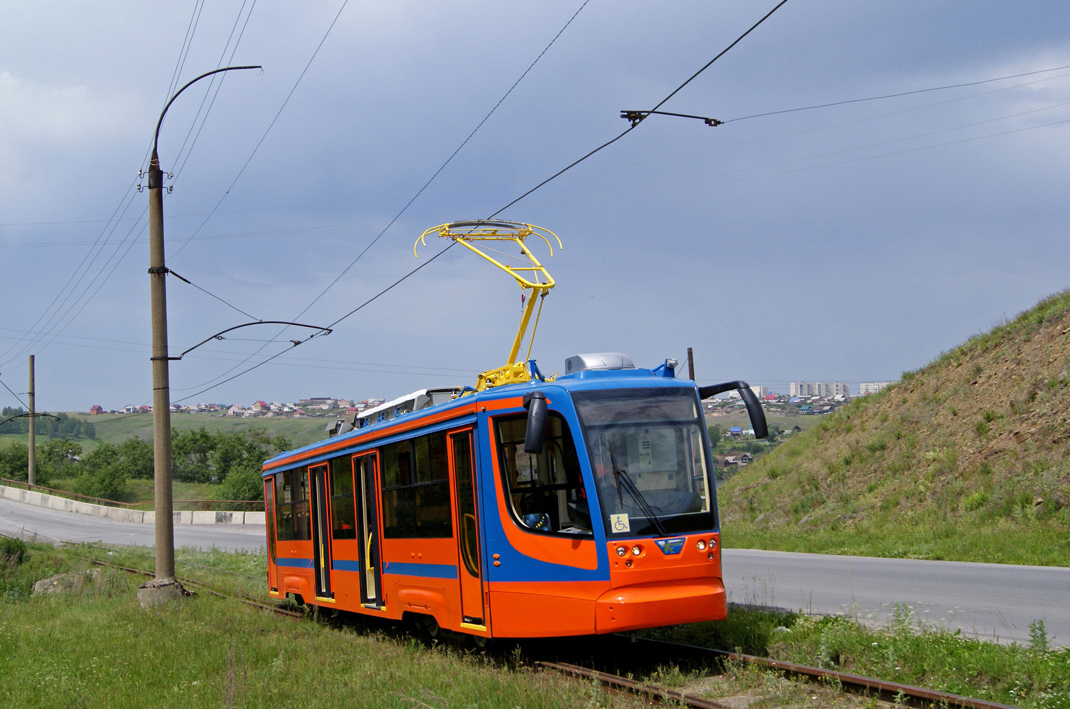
121, 514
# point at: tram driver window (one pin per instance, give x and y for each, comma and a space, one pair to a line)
545, 490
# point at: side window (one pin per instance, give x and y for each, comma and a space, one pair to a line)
343, 513
291, 505
416, 488
545, 491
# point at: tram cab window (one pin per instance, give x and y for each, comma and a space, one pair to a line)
649, 456
545, 490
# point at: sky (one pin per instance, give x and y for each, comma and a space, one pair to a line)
847, 243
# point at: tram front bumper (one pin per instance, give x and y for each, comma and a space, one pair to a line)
651, 605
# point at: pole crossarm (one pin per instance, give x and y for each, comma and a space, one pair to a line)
29, 415
219, 335
532, 277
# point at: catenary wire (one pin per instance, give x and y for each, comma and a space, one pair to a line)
218, 86
185, 242
638, 123
14, 394
97, 248
544, 182
420, 191
896, 95
207, 292
447, 162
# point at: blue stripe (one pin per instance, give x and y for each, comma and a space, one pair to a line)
434, 571
344, 565
299, 563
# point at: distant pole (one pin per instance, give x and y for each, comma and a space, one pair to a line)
690, 364
161, 388
31, 473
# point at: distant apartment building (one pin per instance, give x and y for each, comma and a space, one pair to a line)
871, 387
827, 390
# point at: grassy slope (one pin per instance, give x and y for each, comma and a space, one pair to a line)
967, 458
114, 428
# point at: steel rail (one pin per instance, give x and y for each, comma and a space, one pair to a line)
648, 690
207, 589
890, 690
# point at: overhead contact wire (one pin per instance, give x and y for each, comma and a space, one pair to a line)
661, 103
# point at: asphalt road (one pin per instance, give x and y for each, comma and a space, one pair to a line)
28, 521
991, 601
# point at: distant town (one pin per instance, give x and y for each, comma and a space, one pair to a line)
802, 398
316, 406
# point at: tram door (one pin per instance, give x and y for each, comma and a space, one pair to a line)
371, 578
462, 461
321, 531
269, 515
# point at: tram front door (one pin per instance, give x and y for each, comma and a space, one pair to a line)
321, 531
470, 572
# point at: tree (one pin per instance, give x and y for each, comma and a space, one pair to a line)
13, 461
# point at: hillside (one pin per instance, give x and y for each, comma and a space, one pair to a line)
967, 458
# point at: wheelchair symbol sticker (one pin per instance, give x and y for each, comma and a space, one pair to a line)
620, 522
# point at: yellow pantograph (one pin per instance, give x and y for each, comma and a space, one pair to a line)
532, 278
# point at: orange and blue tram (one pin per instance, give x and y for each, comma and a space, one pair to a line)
579, 505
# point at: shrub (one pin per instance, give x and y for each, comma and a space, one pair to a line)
12, 550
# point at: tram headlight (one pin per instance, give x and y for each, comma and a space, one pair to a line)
621, 551
701, 545
637, 550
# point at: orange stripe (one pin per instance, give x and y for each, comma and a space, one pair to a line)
375, 435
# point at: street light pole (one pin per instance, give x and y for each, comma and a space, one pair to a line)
161, 392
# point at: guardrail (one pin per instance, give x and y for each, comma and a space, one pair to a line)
178, 505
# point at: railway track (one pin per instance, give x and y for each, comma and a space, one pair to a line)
900, 694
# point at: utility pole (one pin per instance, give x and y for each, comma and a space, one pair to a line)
161, 391
690, 364
31, 464
164, 587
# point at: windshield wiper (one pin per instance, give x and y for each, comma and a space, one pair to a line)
621, 474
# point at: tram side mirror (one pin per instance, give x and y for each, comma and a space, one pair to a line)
754, 407
535, 403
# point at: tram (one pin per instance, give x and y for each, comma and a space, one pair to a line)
524, 506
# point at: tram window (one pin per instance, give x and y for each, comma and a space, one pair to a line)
415, 495
545, 490
291, 505
343, 513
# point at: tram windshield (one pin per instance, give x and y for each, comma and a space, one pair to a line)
648, 455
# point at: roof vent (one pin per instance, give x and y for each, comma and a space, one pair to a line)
598, 360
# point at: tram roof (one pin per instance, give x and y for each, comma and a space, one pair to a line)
585, 380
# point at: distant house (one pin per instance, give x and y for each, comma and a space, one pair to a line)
796, 428
96, 409
730, 462
259, 407
745, 459
236, 410
735, 431
299, 412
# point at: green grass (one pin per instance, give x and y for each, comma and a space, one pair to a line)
916, 537
95, 647
905, 651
